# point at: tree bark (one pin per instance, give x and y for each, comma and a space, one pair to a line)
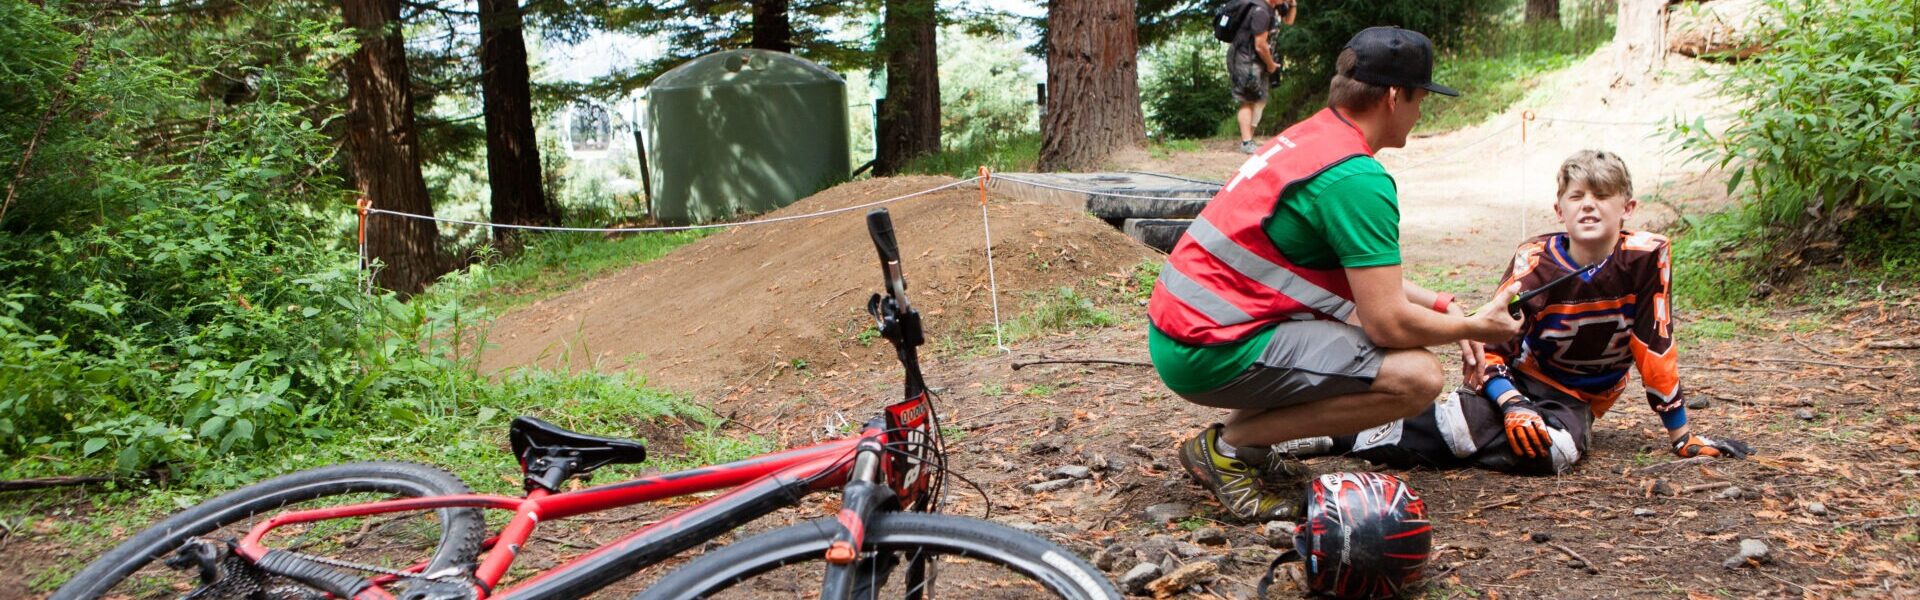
909, 123
1543, 11
772, 25
1093, 95
385, 149
513, 153
1639, 41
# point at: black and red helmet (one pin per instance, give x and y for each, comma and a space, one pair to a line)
1365, 535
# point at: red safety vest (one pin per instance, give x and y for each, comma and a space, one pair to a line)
1225, 280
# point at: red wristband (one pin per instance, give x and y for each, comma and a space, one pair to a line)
1441, 301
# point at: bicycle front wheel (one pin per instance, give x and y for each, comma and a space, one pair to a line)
977, 559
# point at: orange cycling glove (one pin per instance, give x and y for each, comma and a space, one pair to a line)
1526, 431
1700, 445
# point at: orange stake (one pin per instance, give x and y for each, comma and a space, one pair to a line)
1525, 116
364, 205
983, 184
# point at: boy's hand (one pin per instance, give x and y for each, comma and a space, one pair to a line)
1699, 445
1526, 431
1491, 323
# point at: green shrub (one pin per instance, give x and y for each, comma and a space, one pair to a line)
1187, 92
1826, 140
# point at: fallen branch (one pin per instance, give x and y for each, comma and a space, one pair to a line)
1705, 486
1895, 344
1084, 361
1802, 361
1872, 523
1591, 568
47, 482
1737, 369
1673, 464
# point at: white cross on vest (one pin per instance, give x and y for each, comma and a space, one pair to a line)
1259, 161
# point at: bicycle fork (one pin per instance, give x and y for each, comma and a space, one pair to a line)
865, 495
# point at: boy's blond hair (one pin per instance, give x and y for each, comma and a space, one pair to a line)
1602, 171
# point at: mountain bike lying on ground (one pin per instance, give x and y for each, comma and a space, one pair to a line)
401, 530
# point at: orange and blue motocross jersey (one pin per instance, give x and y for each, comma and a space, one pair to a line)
1581, 336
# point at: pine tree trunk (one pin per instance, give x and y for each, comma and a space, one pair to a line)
513, 153
1639, 41
385, 150
1543, 11
909, 124
1093, 89
772, 25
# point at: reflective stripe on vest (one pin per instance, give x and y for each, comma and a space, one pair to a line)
1225, 280
1266, 272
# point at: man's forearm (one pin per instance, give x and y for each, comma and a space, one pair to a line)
1266, 54
1417, 295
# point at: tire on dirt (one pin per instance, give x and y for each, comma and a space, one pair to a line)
1057, 570
461, 528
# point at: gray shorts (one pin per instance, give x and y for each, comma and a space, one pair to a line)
1249, 80
1305, 361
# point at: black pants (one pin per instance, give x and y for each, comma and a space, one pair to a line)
1467, 429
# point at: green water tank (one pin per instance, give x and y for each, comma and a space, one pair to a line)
743, 132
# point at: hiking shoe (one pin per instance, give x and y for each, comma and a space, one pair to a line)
1249, 146
1236, 484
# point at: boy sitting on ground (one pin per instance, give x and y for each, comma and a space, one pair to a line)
1540, 392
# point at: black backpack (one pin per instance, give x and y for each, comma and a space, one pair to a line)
1229, 18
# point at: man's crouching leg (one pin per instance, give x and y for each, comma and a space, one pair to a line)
1315, 378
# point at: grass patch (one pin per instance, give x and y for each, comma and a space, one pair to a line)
555, 262
1063, 310
1162, 148
1016, 153
1495, 68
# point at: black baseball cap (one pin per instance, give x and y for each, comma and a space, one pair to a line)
1396, 57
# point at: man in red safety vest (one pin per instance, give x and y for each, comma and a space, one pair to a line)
1285, 303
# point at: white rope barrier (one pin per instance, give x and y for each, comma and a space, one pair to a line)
673, 228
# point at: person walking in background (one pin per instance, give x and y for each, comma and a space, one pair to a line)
1250, 63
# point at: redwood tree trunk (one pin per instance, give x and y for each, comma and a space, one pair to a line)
772, 25
384, 149
1543, 11
1639, 41
909, 124
1093, 90
513, 155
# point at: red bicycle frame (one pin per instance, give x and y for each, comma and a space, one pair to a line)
762, 485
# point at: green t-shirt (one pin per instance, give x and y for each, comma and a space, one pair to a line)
1347, 217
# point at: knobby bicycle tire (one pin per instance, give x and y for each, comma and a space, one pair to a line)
1049, 568
459, 539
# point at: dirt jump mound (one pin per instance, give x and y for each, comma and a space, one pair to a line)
791, 293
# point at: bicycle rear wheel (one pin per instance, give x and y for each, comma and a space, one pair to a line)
442, 538
970, 558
